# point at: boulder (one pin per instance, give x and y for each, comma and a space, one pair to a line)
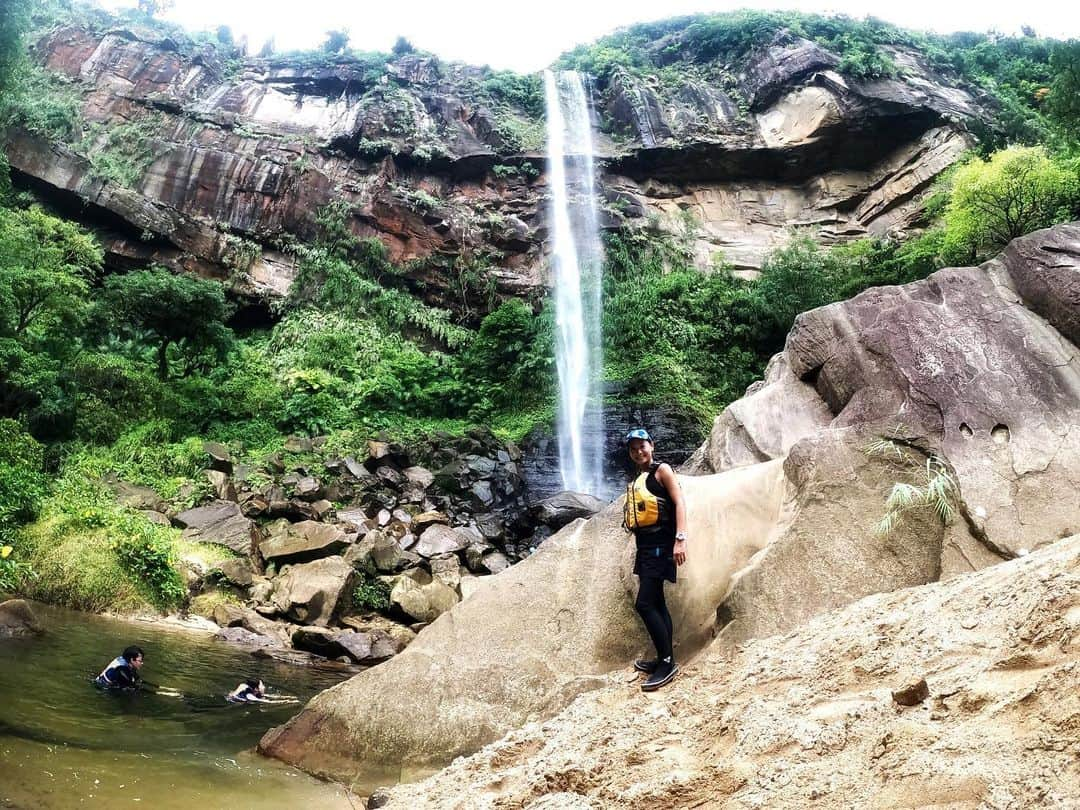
310, 593
303, 541
438, 539
494, 562
309, 488
220, 457
826, 553
156, 518
134, 496
237, 572
558, 510
246, 638
219, 522
417, 595
425, 519
419, 477
222, 484
17, 619
232, 615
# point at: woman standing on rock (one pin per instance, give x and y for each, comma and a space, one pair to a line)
655, 512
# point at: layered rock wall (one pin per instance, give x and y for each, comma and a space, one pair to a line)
243, 155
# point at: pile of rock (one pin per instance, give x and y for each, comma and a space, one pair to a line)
413, 528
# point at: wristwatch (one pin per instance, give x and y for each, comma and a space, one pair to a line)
681, 536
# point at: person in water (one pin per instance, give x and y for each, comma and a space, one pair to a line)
250, 691
254, 691
655, 511
123, 671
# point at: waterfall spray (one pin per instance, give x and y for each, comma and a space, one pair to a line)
577, 259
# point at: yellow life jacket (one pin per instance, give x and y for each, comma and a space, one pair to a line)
642, 509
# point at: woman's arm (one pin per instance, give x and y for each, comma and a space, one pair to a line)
666, 476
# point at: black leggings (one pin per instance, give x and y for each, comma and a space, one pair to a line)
653, 610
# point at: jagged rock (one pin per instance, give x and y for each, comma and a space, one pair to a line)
304, 541
17, 619
386, 554
474, 555
238, 571
219, 522
156, 518
134, 496
446, 570
222, 484
490, 526
419, 476
355, 518
246, 638
494, 562
425, 519
253, 505
912, 693
309, 488
417, 595
322, 509
310, 593
558, 510
220, 457
439, 539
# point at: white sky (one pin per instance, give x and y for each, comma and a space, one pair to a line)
528, 37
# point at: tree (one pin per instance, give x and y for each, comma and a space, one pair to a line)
1016, 191
173, 311
46, 266
336, 41
267, 49
402, 46
1063, 101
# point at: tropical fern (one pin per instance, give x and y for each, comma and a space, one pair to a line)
939, 493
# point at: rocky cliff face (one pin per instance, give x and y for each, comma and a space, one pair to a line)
241, 155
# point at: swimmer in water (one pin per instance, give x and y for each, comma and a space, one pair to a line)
254, 691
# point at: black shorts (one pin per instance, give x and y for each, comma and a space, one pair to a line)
656, 561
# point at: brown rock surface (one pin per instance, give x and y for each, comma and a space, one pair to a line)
807, 719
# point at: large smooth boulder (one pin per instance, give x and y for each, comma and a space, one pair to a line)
977, 364
530, 640
17, 619
219, 522
310, 593
304, 541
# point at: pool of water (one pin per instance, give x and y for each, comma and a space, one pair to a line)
64, 743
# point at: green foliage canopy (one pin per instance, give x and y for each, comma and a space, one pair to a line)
170, 310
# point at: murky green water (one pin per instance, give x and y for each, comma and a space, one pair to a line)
65, 743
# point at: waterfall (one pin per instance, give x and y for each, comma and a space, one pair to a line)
577, 259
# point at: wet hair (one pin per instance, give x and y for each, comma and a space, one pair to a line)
253, 683
132, 652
